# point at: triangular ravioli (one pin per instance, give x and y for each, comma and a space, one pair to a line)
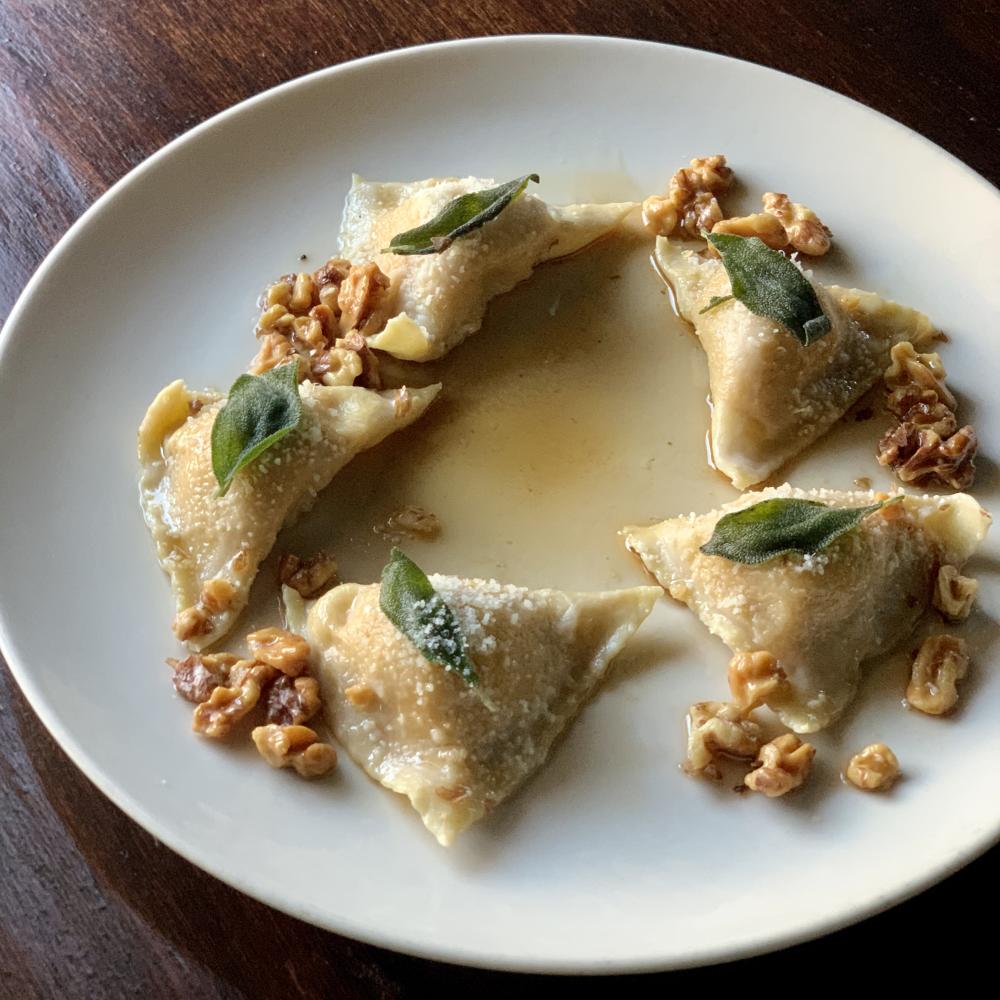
440, 299
820, 615
210, 545
772, 397
457, 751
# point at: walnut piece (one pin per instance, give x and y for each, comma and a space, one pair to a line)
361, 297
191, 622
782, 765
802, 225
754, 678
280, 649
402, 403
296, 747
873, 769
409, 522
370, 377
942, 662
954, 594
921, 456
908, 369
309, 577
196, 677
216, 595
224, 707
718, 728
690, 204
290, 701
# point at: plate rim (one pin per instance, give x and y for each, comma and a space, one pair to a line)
447, 952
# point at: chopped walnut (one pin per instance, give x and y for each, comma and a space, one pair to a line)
362, 294
217, 595
925, 371
923, 409
954, 594
762, 225
923, 457
309, 577
941, 663
290, 701
691, 203
718, 728
361, 696
337, 366
191, 622
782, 765
873, 769
370, 377
275, 349
754, 678
296, 747
196, 677
280, 649
224, 707
805, 231
409, 522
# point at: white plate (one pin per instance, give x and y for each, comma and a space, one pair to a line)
610, 860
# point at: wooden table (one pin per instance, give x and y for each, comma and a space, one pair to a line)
91, 905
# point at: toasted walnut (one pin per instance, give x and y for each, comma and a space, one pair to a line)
923, 409
954, 594
718, 728
765, 227
217, 595
303, 288
923, 457
753, 678
873, 769
224, 707
337, 366
409, 522
781, 765
191, 622
278, 648
370, 377
908, 368
196, 677
278, 294
275, 349
806, 232
290, 701
332, 273
296, 747
941, 663
691, 202
361, 696
309, 577
361, 295
308, 335
244, 670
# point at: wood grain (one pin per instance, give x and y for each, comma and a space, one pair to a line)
92, 906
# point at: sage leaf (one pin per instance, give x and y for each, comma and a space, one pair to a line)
259, 412
461, 216
408, 599
770, 285
776, 527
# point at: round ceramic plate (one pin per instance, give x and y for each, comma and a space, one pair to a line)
610, 859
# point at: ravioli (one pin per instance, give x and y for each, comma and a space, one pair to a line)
211, 546
440, 299
823, 615
456, 751
772, 397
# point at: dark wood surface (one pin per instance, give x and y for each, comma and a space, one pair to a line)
92, 906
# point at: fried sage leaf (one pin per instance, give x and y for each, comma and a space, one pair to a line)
776, 527
462, 215
408, 599
770, 285
260, 411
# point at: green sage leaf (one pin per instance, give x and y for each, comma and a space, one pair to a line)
459, 217
770, 285
776, 527
408, 599
260, 411
715, 300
